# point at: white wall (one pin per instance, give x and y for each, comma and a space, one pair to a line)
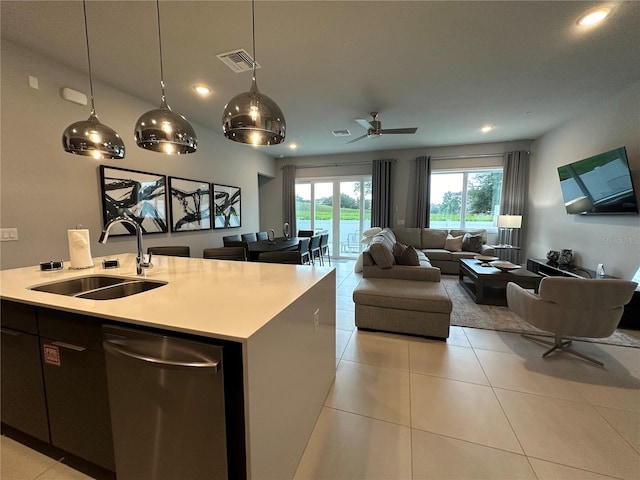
613, 240
45, 191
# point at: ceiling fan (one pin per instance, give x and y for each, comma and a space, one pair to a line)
374, 128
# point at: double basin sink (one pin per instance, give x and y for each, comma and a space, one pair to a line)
99, 287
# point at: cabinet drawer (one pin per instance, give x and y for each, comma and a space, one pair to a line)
71, 328
18, 316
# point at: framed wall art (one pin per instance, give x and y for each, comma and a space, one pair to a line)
190, 204
226, 201
141, 196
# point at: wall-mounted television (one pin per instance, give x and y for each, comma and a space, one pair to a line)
599, 185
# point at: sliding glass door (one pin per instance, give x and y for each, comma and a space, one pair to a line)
340, 207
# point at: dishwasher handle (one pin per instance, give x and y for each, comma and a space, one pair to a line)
117, 349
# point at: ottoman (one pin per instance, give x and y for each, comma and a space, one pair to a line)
411, 307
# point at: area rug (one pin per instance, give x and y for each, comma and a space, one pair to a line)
466, 313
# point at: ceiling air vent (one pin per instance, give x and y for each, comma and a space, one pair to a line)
238, 60
341, 133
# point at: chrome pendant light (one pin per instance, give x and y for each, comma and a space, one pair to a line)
252, 117
162, 130
90, 137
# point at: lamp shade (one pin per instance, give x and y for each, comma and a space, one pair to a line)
164, 131
253, 118
92, 139
509, 221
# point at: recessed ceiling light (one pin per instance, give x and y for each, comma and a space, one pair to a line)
293, 146
202, 89
486, 129
594, 17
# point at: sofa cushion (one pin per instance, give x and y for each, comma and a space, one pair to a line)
409, 256
453, 244
381, 250
433, 238
477, 231
403, 295
472, 243
398, 248
437, 254
408, 236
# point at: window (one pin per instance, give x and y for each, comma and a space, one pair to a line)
465, 198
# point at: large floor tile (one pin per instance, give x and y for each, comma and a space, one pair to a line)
532, 374
345, 320
627, 424
461, 410
342, 340
18, 462
436, 457
384, 350
568, 433
496, 341
553, 471
376, 392
350, 447
458, 337
447, 361
609, 389
61, 471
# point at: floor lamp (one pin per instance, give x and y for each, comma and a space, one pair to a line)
509, 222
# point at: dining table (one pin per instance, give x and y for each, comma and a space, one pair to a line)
278, 244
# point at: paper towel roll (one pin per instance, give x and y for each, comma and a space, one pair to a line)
79, 249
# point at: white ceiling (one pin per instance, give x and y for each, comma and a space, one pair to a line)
446, 67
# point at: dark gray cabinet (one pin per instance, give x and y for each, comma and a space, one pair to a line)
23, 404
76, 385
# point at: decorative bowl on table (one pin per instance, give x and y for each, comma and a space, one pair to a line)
485, 258
504, 266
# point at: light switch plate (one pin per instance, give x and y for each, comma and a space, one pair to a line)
8, 234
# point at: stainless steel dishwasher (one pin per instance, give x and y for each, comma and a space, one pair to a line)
166, 396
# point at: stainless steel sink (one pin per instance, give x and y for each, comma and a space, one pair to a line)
99, 287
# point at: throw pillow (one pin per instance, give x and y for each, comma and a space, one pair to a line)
408, 257
472, 243
453, 244
398, 248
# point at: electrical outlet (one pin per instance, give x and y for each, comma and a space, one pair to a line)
316, 320
8, 234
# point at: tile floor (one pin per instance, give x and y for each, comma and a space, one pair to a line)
483, 405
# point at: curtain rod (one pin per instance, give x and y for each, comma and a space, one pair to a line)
462, 157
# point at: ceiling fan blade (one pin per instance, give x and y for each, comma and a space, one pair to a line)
399, 130
364, 123
356, 139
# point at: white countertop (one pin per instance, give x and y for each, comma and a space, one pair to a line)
215, 298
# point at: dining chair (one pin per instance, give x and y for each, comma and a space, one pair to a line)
225, 253
305, 233
262, 235
226, 240
303, 248
324, 247
291, 257
314, 250
171, 250
249, 237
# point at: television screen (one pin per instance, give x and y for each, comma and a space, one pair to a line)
599, 185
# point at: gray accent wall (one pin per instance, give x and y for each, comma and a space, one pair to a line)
613, 240
45, 191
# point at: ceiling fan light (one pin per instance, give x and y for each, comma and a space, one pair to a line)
164, 131
92, 139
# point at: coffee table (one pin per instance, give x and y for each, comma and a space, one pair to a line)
488, 285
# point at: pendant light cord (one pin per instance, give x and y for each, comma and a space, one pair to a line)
86, 36
160, 44
253, 35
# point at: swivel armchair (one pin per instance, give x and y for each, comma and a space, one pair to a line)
571, 306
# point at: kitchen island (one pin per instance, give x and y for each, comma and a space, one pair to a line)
280, 317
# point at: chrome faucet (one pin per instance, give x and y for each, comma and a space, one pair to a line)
140, 263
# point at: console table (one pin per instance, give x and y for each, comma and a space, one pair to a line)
631, 315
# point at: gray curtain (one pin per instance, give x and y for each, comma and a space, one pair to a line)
515, 182
423, 191
381, 193
289, 197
